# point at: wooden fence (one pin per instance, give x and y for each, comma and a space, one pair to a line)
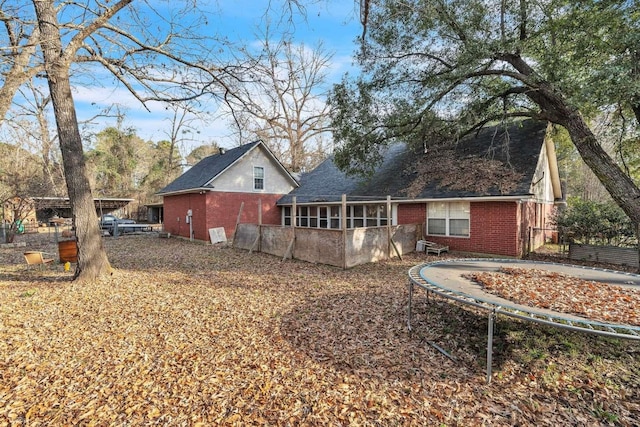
606, 254
341, 248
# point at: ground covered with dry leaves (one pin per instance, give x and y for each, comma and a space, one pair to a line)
192, 334
564, 293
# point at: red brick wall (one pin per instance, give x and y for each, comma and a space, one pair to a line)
217, 209
175, 212
412, 213
495, 228
223, 209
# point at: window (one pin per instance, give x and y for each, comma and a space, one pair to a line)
258, 178
330, 216
307, 216
366, 216
383, 215
335, 217
286, 215
355, 215
448, 219
372, 215
323, 217
539, 216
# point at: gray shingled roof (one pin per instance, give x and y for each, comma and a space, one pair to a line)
493, 162
206, 169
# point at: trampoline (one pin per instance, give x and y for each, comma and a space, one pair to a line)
446, 279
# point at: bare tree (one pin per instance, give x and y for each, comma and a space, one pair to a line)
31, 126
20, 177
279, 99
184, 115
127, 50
152, 49
92, 258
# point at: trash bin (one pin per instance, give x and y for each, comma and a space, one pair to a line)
421, 245
68, 251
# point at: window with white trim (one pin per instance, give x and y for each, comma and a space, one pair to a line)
448, 219
373, 215
258, 178
355, 216
286, 215
335, 221
307, 216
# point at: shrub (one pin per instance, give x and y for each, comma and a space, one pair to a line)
598, 223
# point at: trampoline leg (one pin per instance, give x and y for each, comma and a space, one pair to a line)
492, 318
409, 305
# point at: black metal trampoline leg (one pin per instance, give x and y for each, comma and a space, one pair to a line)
492, 318
409, 305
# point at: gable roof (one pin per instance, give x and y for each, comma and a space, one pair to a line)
495, 162
200, 175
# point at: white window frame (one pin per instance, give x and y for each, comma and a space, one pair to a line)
367, 215
286, 216
329, 217
256, 178
335, 220
448, 217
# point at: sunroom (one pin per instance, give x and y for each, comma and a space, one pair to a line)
330, 216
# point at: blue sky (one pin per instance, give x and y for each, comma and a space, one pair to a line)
332, 22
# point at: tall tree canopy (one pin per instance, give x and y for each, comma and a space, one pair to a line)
434, 68
114, 161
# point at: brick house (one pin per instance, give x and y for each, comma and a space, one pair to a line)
491, 192
210, 194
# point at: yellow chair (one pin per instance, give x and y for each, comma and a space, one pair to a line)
35, 258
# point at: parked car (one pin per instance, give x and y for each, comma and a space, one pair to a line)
108, 222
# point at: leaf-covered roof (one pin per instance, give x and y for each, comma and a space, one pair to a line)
496, 161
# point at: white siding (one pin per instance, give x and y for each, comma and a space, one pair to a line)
541, 185
239, 177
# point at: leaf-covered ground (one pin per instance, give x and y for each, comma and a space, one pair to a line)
190, 334
563, 293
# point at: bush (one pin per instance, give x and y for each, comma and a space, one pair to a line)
594, 223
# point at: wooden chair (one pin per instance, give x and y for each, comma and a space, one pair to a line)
37, 258
435, 248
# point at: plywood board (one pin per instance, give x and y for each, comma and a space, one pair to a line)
217, 235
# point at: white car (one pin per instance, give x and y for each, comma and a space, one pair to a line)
108, 222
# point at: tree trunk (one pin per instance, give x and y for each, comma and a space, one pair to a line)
619, 185
92, 258
638, 245
557, 109
636, 111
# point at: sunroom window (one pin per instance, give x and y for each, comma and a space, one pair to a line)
373, 215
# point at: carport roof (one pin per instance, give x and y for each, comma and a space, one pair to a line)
109, 203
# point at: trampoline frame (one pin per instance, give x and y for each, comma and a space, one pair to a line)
416, 278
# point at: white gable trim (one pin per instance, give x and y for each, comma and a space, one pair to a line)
553, 164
